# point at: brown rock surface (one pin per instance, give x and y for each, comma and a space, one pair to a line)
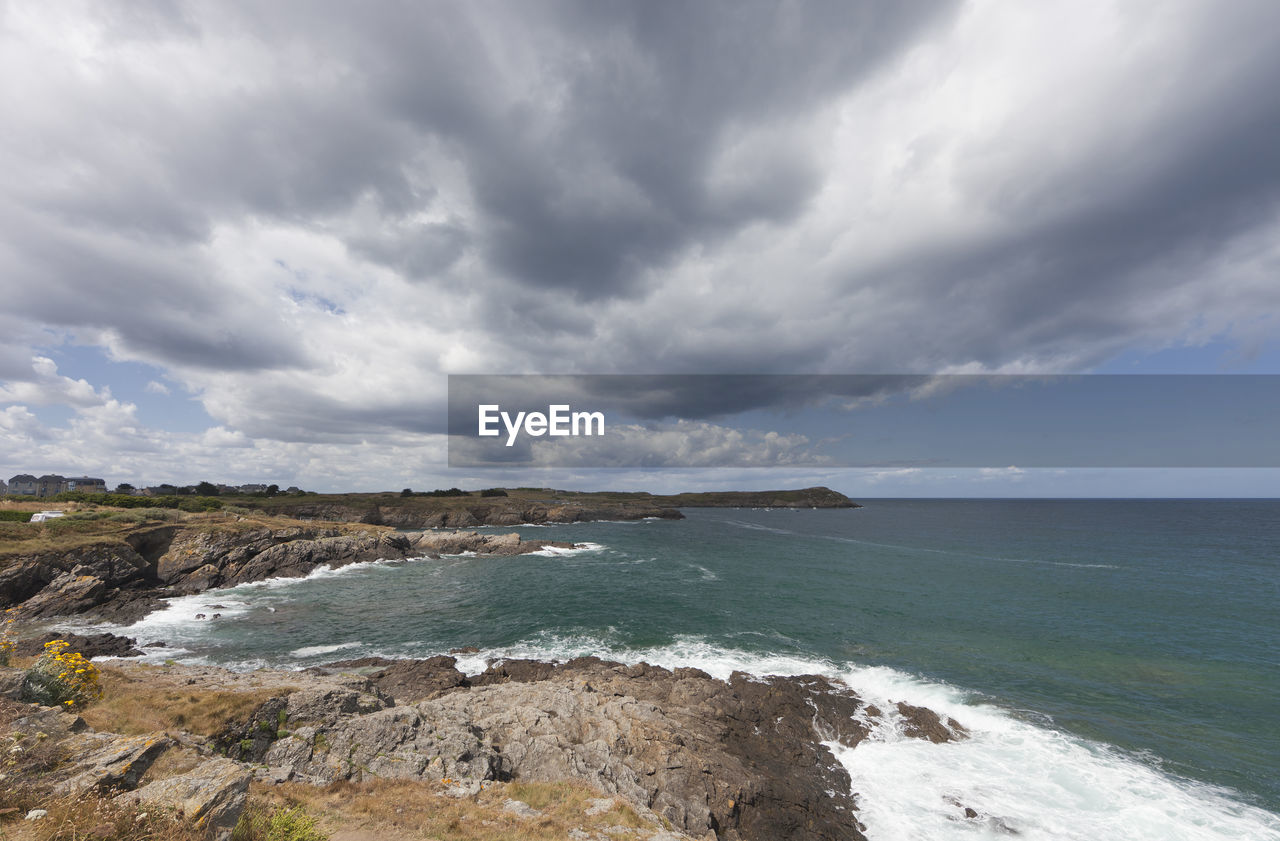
742, 758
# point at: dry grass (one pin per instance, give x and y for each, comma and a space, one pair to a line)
398, 810
135, 704
66, 533
92, 818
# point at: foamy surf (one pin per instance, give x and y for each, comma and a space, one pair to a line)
185, 618
578, 549
318, 650
1014, 775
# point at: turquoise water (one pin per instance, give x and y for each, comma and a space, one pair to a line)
1081, 639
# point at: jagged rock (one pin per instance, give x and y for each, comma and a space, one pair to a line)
22, 579
416, 680
924, 723
457, 542
193, 549
11, 683
522, 671
124, 607
69, 593
90, 645
52, 721
326, 706
212, 795
741, 758
107, 761
114, 564
398, 742
273, 776
297, 558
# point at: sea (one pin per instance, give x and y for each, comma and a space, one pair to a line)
1117, 662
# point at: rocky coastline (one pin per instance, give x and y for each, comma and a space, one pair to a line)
742, 759
693, 756
123, 581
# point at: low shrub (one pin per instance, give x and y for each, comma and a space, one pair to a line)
7, 641
61, 677
257, 824
15, 516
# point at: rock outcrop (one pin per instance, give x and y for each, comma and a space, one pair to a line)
89, 645
83, 762
120, 582
457, 542
743, 758
212, 795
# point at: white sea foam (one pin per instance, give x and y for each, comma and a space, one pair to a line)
187, 617
317, 650
578, 549
1017, 775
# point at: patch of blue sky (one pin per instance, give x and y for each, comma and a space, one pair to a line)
312, 300
175, 411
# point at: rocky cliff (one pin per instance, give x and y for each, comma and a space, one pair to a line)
122, 581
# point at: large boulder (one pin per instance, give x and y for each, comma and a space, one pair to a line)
22, 579
212, 795
89, 645
396, 742
70, 593
298, 558
107, 761
458, 542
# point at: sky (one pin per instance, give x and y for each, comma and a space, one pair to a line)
249, 242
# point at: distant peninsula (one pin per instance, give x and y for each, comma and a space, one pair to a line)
517, 506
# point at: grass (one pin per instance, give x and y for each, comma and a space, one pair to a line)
134, 705
391, 810
280, 824
89, 525
91, 817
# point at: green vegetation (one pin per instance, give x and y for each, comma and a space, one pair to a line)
15, 516
61, 677
184, 503
293, 824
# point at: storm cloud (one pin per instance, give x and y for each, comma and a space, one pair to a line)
305, 215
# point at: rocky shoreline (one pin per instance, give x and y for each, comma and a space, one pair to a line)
123, 581
743, 759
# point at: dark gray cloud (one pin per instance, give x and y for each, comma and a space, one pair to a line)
303, 212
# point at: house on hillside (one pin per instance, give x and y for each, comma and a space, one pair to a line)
85, 484
49, 484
